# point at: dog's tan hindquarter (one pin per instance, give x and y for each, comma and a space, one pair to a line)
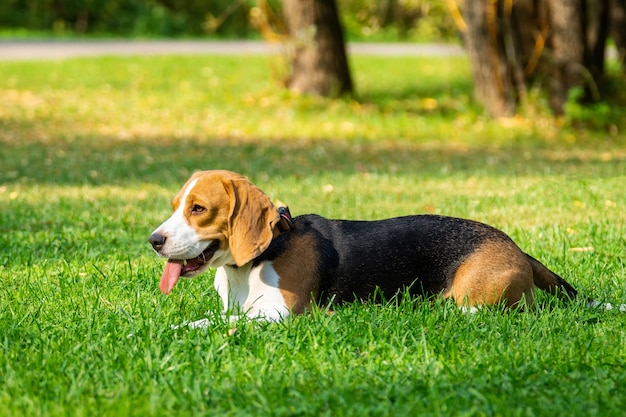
498, 271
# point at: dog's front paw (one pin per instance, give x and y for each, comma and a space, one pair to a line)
209, 321
198, 324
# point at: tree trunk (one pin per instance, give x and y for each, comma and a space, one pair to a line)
568, 50
320, 63
492, 76
618, 29
558, 42
597, 33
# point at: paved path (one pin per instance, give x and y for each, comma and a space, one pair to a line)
58, 49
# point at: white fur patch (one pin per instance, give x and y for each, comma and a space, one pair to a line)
252, 291
469, 310
249, 291
605, 306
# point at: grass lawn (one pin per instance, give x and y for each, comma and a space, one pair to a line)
92, 150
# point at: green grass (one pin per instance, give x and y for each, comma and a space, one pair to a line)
93, 150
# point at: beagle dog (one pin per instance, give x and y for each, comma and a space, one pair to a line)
270, 266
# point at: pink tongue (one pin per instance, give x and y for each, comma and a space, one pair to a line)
171, 273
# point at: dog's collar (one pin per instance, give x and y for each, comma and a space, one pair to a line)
285, 224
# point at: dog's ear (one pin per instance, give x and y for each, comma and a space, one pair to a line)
251, 220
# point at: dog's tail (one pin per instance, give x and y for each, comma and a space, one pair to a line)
552, 283
549, 281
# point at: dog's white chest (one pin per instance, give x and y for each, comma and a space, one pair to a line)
252, 291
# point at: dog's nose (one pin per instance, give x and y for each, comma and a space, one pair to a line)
157, 240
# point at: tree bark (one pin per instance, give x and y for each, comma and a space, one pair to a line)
320, 63
618, 29
568, 50
598, 26
492, 76
560, 43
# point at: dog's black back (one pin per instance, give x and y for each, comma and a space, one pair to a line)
420, 252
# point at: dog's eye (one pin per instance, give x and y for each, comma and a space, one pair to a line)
197, 209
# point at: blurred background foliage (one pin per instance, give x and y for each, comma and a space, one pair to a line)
411, 20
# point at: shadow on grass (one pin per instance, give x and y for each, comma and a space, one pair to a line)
104, 160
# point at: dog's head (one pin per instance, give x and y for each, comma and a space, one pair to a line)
219, 218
